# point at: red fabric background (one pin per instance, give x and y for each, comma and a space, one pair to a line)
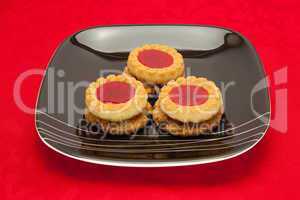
31, 30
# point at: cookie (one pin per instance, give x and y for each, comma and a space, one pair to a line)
116, 97
155, 64
190, 99
189, 106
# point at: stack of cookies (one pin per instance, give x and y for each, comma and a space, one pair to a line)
186, 106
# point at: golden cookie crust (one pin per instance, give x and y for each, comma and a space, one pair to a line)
155, 75
111, 111
125, 127
196, 113
178, 128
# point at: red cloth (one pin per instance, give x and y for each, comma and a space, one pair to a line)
30, 32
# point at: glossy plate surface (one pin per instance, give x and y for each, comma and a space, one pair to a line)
219, 54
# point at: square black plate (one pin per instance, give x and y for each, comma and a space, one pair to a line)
221, 55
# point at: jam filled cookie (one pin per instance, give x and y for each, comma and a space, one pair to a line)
118, 103
155, 64
188, 106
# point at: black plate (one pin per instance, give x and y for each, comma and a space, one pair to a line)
219, 54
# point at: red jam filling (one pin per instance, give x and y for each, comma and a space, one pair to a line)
188, 95
115, 92
155, 59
